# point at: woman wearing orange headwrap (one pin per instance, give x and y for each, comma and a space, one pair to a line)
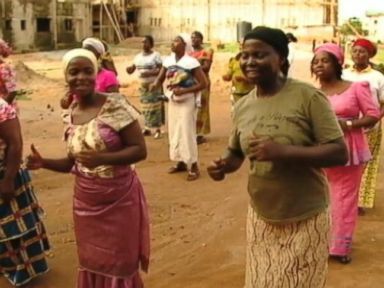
362, 51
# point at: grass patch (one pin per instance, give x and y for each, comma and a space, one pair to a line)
379, 58
232, 47
23, 94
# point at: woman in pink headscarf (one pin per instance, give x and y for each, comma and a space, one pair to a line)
355, 110
7, 74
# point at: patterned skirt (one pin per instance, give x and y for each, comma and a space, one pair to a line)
23, 239
152, 107
203, 123
369, 181
287, 255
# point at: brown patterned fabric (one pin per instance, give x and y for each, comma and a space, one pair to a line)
293, 255
369, 181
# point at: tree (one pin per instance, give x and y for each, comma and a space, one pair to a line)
353, 26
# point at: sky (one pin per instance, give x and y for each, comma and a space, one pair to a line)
357, 8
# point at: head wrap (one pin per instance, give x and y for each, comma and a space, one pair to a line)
333, 49
5, 49
187, 40
79, 53
274, 37
95, 43
368, 45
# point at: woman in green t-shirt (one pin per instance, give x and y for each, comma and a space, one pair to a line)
288, 132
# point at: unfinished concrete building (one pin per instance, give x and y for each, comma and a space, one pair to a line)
115, 20
44, 24
217, 19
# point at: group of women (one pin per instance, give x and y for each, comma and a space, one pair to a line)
302, 144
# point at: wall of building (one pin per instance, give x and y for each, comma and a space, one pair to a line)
74, 21
375, 25
218, 19
44, 24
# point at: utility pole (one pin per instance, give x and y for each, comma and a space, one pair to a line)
54, 23
209, 20
262, 12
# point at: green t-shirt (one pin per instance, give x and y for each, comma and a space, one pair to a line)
298, 115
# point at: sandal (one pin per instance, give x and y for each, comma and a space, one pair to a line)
193, 175
179, 167
200, 139
157, 135
342, 259
146, 132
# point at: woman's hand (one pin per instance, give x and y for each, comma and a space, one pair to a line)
90, 159
227, 77
67, 100
343, 125
130, 69
7, 189
34, 160
241, 79
177, 91
265, 149
216, 169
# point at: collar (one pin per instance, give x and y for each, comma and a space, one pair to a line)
366, 70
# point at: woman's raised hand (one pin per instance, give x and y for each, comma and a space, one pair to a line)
262, 148
216, 169
34, 160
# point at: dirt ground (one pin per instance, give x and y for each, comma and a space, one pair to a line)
198, 228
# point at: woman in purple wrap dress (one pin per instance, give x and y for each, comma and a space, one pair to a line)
109, 207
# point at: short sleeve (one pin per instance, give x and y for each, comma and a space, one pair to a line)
325, 127
234, 140
117, 112
380, 91
7, 112
365, 100
8, 76
136, 60
158, 59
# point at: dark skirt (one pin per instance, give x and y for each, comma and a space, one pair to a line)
23, 240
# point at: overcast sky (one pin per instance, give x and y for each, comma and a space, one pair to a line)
357, 8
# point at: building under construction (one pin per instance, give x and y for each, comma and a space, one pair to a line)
44, 24
217, 19
50, 24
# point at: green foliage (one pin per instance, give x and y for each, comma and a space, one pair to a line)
357, 25
232, 47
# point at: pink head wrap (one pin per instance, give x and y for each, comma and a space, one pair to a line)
333, 49
5, 49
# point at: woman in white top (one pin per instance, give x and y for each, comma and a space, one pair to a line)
362, 51
148, 64
184, 79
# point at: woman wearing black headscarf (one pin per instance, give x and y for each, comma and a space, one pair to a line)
288, 132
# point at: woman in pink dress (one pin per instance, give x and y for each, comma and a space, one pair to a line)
109, 207
355, 109
7, 74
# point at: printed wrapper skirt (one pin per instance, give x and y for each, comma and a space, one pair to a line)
151, 106
23, 240
369, 181
293, 255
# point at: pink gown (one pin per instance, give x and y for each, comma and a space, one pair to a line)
109, 207
345, 180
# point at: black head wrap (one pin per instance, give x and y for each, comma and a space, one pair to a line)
274, 37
